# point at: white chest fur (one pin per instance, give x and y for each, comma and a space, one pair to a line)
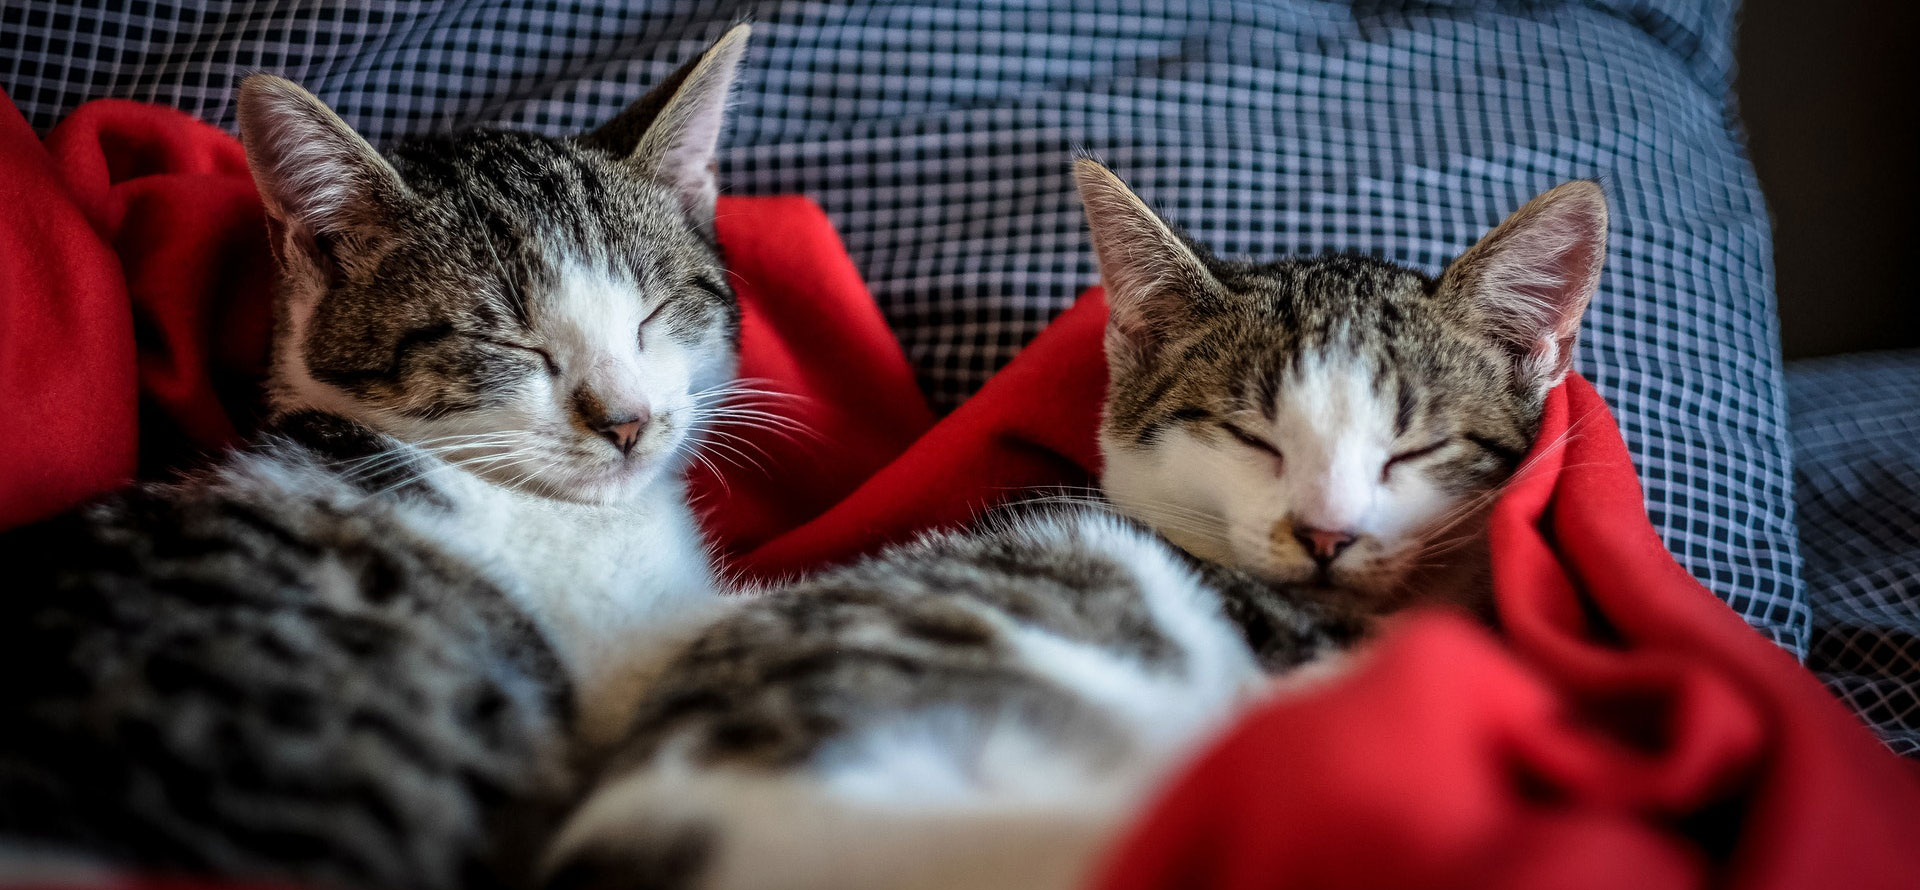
614, 586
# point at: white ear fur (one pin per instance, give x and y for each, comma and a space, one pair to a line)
679, 145
315, 174
1528, 282
1151, 275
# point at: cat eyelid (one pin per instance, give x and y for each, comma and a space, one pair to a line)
1417, 453
711, 287
553, 367
640, 335
1250, 440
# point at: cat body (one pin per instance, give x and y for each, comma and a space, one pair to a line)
973, 709
260, 672
372, 648
601, 580
1290, 449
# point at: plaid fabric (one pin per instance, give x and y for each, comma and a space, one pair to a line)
939, 139
1856, 446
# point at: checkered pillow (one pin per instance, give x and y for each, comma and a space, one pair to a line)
1856, 451
939, 139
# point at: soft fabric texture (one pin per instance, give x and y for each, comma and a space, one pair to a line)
1626, 731
939, 138
1856, 456
1626, 728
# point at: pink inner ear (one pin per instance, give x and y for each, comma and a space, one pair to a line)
1557, 288
315, 248
1133, 331
1539, 279
276, 236
1572, 268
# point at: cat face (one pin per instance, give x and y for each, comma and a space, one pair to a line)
1340, 422
549, 314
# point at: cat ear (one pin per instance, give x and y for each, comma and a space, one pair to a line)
1153, 276
309, 165
318, 179
1529, 280
672, 132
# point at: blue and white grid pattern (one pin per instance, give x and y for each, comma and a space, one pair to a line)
1856, 446
939, 140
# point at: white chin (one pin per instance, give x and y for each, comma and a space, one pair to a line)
617, 482
596, 485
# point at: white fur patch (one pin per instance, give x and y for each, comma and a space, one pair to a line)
792, 831
1167, 709
952, 798
1224, 501
617, 587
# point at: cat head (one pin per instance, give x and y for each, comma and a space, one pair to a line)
1337, 423
549, 313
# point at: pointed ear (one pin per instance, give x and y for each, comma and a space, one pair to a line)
1529, 280
308, 164
1154, 278
672, 132
319, 180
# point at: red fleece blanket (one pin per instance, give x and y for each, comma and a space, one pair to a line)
1623, 729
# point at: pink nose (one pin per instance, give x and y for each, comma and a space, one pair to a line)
625, 432
1323, 545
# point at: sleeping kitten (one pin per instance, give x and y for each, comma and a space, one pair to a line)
985, 709
1339, 425
359, 653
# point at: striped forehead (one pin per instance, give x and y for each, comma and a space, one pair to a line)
568, 198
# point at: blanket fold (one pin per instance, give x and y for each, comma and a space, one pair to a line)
1622, 728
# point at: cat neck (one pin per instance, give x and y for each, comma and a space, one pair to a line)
615, 585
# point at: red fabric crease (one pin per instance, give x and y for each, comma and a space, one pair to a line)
1625, 728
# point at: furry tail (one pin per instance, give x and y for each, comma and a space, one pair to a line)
734, 831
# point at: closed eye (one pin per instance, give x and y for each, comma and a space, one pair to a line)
1414, 454
712, 287
1250, 440
640, 336
553, 367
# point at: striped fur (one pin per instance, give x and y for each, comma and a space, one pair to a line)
1257, 406
371, 648
983, 709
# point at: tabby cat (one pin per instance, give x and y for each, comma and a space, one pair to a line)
983, 709
361, 652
